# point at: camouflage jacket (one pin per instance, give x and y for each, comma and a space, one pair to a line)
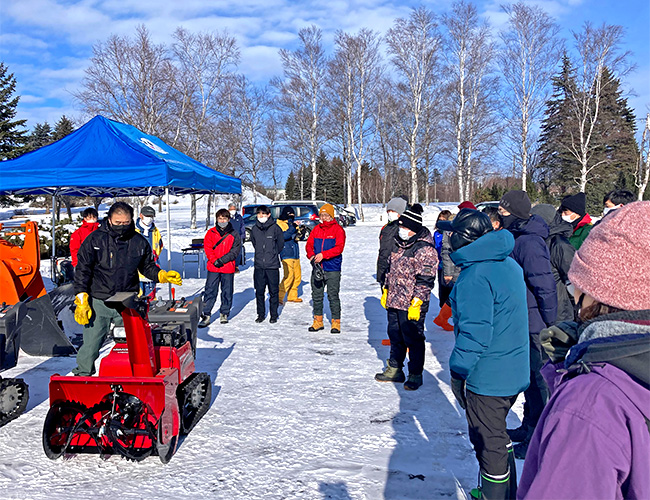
412, 270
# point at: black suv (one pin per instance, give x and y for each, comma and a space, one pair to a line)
306, 216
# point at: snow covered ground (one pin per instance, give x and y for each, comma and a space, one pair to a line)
295, 415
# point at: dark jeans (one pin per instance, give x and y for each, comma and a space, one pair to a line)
407, 334
261, 279
226, 280
444, 290
486, 420
537, 393
333, 283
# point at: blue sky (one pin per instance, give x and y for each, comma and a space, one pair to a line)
47, 44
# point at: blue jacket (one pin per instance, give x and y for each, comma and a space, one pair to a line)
289, 231
437, 242
532, 254
488, 303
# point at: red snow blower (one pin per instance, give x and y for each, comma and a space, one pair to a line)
146, 395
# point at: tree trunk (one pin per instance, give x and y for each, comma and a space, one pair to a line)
192, 211
208, 215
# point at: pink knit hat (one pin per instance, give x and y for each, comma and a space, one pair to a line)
613, 263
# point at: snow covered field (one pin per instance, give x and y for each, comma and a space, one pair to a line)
295, 415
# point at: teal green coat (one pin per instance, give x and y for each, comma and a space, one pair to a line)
490, 318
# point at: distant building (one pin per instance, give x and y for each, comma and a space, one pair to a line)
276, 195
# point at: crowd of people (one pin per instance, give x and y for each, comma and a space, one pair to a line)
542, 302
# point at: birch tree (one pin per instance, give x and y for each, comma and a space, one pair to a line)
643, 163
414, 45
531, 50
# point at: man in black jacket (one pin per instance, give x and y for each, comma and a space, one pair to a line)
268, 241
387, 237
107, 263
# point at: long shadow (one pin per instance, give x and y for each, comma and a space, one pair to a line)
334, 491
240, 300
428, 456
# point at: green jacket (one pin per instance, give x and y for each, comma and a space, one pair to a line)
579, 235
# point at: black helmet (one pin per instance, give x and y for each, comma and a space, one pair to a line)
467, 226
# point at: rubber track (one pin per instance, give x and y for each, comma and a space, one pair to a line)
23, 394
185, 390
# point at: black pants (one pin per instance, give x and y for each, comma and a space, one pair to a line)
226, 280
537, 393
486, 420
261, 279
407, 334
444, 289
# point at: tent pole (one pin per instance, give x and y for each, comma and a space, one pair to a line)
53, 254
169, 238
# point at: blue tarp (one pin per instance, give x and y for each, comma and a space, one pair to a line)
108, 158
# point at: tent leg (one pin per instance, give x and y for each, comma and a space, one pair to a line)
169, 238
53, 254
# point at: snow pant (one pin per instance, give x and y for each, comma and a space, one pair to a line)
94, 335
261, 279
444, 290
407, 334
333, 283
537, 393
486, 421
212, 282
291, 279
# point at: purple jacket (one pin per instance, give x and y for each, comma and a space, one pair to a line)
412, 270
593, 440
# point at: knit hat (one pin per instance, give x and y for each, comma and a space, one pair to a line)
467, 204
576, 203
517, 203
545, 211
396, 205
287, 212
328, 209
412, 218
612, 265
148, 211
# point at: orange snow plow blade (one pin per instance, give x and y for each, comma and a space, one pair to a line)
20, 280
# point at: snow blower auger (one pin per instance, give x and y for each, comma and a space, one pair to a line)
14, 392
20, 280
146, 395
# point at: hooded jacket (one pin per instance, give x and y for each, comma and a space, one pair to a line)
581, 229
387, 245
412, 270
593, 438
327, 238
109, 263
490, 321
223, 244
78, 237
289, 232
532, 254
268, 242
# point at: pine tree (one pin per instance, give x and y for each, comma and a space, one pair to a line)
40, 136
62, 128
12, 138
290, 187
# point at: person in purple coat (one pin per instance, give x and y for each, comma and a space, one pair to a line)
593, 438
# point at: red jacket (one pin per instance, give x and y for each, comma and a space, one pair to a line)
78, 237
327, 238
224, 246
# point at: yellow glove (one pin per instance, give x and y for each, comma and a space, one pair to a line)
384, 298
170, 277
414, 309
82, 312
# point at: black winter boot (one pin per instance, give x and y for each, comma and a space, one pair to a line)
493, 488
512, 484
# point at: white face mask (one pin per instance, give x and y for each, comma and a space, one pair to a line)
147, 220
567, 218
392, 216
232, 212
607, 210
262, 219
404, 233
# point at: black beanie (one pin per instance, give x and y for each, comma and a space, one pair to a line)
412, 218
517, 203
577, 203
287, 212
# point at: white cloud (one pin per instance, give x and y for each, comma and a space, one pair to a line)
260, 62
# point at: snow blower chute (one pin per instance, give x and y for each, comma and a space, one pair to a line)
20, 280
146, 394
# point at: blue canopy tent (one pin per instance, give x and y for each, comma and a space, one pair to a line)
106, 158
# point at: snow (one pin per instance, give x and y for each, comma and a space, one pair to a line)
294, 415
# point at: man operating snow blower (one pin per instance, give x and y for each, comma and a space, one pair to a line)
108, 262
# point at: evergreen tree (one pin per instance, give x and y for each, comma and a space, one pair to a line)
62, 128
40, 136
335, 191
290, 187
12, 138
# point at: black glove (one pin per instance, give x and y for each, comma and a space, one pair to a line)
218, 263
319, 274
558, 339
458, 388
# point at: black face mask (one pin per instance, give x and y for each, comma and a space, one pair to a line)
507, 220
120, 230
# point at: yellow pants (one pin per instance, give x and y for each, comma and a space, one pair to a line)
291, 279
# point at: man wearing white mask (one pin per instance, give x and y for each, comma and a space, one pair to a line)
394, 208
574, 211
237, 222
615, 199
146, 227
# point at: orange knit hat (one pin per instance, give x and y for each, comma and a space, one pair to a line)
327, 208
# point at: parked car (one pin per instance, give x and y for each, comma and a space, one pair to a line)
306, 216
484, 204
348, 215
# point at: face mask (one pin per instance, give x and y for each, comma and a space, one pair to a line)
403, 233
232, 212
121, 229
567, 218
262, 219
146, 221
507, 220
392, 216
607, 210
222, 225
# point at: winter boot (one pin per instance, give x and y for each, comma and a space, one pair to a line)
205, 321
317, 325
495, 487
336, 326
512, 493
259, 319
521, 433
223, 319
413, 383
442, 320
391, 374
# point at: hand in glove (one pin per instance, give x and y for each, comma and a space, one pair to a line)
82, 312
458, 388
218, 263
558, 339
414, 309
384, 298
170, 277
